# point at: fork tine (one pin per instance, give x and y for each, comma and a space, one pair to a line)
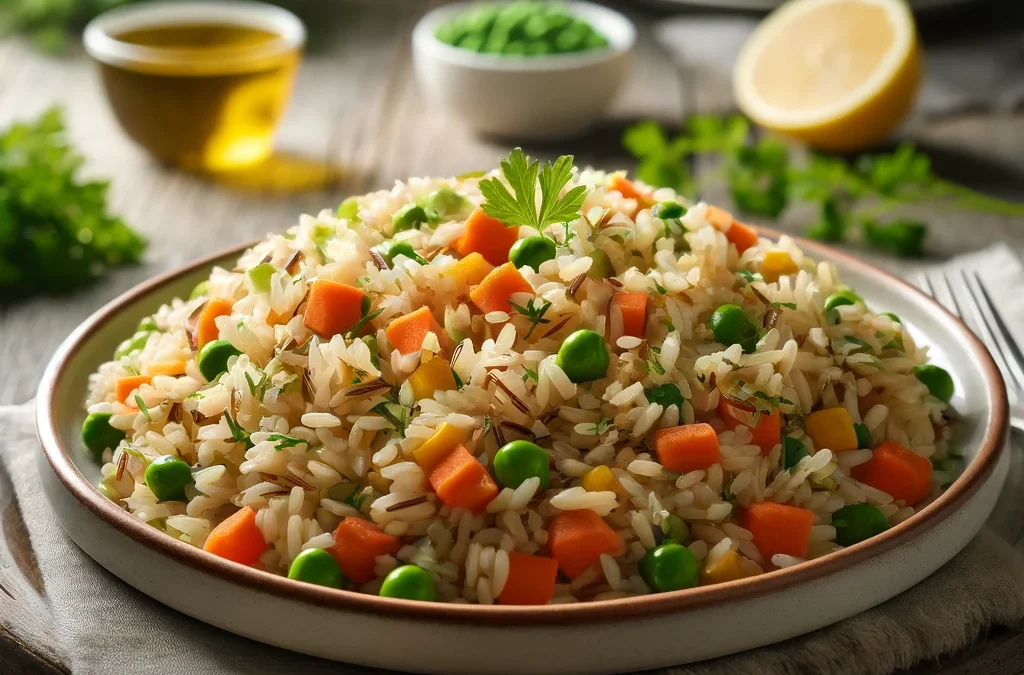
1000, 335
942, 293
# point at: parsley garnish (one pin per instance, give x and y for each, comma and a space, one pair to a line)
603, 426
654, 360
786, 305
522, 176
238, 434
143, 407
533, 313
530, 374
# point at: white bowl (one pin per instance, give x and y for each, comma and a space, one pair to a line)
530, 97
595, 637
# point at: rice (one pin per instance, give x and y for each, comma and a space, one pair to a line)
311, 429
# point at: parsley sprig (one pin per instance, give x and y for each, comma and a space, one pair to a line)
522, 176
533, 313
861, 197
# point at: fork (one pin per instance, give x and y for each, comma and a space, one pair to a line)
950, 291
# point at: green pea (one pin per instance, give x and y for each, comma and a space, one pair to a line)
409, 582
595, 41
473, 43
411, 216
863, 435
389, 250
732, 326
515, 48
446, 201
665, 394
133, 344
531, 252
842, 297
892, 316
570, 39
793, 450
539, 49
602, 267
675, 528
148, 323
857, 522
668, 210
316, 566
669, 567
167, 477
98, 435
200, 290
349, 209
939, 382
260, 276
213, 358
583, 356
519, 460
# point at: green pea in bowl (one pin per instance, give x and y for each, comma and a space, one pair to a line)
537, 85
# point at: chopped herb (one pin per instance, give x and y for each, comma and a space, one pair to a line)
238, 434
363, 281
786, 305
749, 276
660, 289
522, 175
367, 318
283, 442
533, 313
530, 374
252, 385
654, 360
143, 407
603, 426
356, 499
131, 370
667, 323
397, 415
458, 380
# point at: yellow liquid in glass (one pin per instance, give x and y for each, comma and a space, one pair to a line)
213, 98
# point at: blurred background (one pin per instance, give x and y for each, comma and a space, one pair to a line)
357, 119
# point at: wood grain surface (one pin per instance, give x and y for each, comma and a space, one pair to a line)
358, 117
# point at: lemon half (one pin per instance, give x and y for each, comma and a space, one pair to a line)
838, 74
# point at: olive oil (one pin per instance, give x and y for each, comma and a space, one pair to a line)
205, 96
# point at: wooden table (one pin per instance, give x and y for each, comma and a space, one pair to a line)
357, 110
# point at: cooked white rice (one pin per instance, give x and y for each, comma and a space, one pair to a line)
348, 461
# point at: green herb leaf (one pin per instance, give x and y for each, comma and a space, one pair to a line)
358, 326
522, 175
530, 374
283, 442
143, 407
533, 313
901, 237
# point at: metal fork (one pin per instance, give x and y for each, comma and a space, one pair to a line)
963, 290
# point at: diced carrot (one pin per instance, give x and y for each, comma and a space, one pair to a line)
631, 309
898, 472
832, 428
206, 327
487, 236
777, 264
437, 447
126, 385
530, 581
237, 538
498, 287
406, 333
469, 271
778, 528
357, 543
461, 481
766, 433
740, 235
332, 308
688, 447
627, 189
170, 368
578, 538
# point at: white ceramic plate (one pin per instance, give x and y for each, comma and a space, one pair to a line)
609, 636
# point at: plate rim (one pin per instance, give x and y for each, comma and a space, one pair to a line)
57, 456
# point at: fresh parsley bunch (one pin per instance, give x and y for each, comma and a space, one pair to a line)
55, 232
763, 179
50, 22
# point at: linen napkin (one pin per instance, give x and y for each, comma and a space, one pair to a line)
61, 612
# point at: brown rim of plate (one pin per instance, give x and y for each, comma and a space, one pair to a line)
587, 612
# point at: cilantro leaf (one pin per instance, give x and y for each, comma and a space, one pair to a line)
522, 175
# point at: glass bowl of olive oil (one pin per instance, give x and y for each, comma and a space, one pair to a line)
200, 85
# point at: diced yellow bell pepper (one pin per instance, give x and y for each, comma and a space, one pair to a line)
727, 569
597, 479
831, 428
437, 447
469, 271
430, 376
777, 264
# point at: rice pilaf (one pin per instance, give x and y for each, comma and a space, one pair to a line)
347, 387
